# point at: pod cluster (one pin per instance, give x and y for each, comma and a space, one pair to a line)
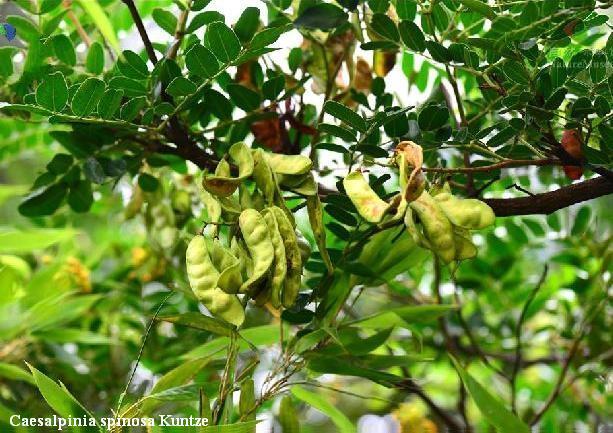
261, 255
438, 221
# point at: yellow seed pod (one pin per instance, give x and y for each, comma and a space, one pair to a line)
464, 246
436, 226
203, 279
370, 206
221, 183
279, 270
293, 256
289, 164
257, 239
468, 213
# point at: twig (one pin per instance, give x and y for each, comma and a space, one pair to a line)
67, 4
180, 31
518, 342
509, 163
141, 30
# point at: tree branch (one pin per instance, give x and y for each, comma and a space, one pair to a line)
503, 164
141, 30
550, 202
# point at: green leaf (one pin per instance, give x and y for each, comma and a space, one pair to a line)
64, 49
294, 59
222, 41
52, 93
94, 171
148, 183
80, 197
502, 137
48, 5
25, 28
16, 241
243, 97
203, 19
174, 378
338, 131
557, 73
101, 20
581, 108
404, 316
129, 86
59, 398
240, 427
323, 16
490, 407
321, 404
346, 115
273, 87
6, 61
131, 109
165, 19
556, 99
266, 37
199, 321
60, 164
479, 7
433, 117
247, 24
602, 106
598, 67
201, 61
516, 72
582, 220
438, 52
384, 27
109, 103
95, 58
132, 65
181, 86
406, 9
44, 203
412, 36
12, 372
88, 95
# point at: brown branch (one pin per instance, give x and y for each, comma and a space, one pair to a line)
549, 202
141, 30
67, 4
499, 165
179, 32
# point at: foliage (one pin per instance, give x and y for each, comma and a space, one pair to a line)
220, 211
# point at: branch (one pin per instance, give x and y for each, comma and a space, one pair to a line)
485, 168
141, 30
179, 32
550, 202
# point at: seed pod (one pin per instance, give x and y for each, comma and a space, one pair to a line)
416, 234
292, 254
264, 177
279, 270
464, 247
436, 226
247, 401
288, 418
203, 278
289, 164
255, 233
367, 202
221, 183
305, 247
303, 184
227, 265
469, 213
161, 219
316, 216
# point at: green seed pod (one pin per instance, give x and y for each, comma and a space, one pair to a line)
264, 177
468, 213
416, 234
316, 216
227, 265
203, 278
221, 184
255, 234
247, 401
303, 184
305, 247
292, 254
288, 418
289, 164
436, 226
367, 202
279, 270
464, 247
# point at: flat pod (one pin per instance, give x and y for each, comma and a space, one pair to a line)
264, 177
293, 256
203, 279
289, 164
437, 227
464, 247
468, 213
416, 234
255, 234
221, 183
316, 215
279, 270
226, 264
367, 202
